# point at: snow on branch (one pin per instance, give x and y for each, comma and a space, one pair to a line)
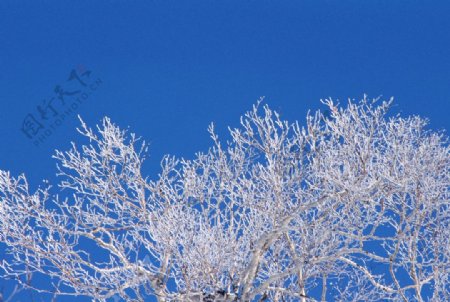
353, 206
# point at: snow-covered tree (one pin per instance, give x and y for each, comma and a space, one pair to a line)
353, 206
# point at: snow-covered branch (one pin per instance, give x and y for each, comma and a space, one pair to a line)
351, 207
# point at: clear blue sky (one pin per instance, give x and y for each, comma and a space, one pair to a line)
169, 68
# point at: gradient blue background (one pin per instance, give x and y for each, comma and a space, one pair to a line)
169, 68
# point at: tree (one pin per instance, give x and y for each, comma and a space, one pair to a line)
352, 207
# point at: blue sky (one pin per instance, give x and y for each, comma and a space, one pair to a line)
169, 68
